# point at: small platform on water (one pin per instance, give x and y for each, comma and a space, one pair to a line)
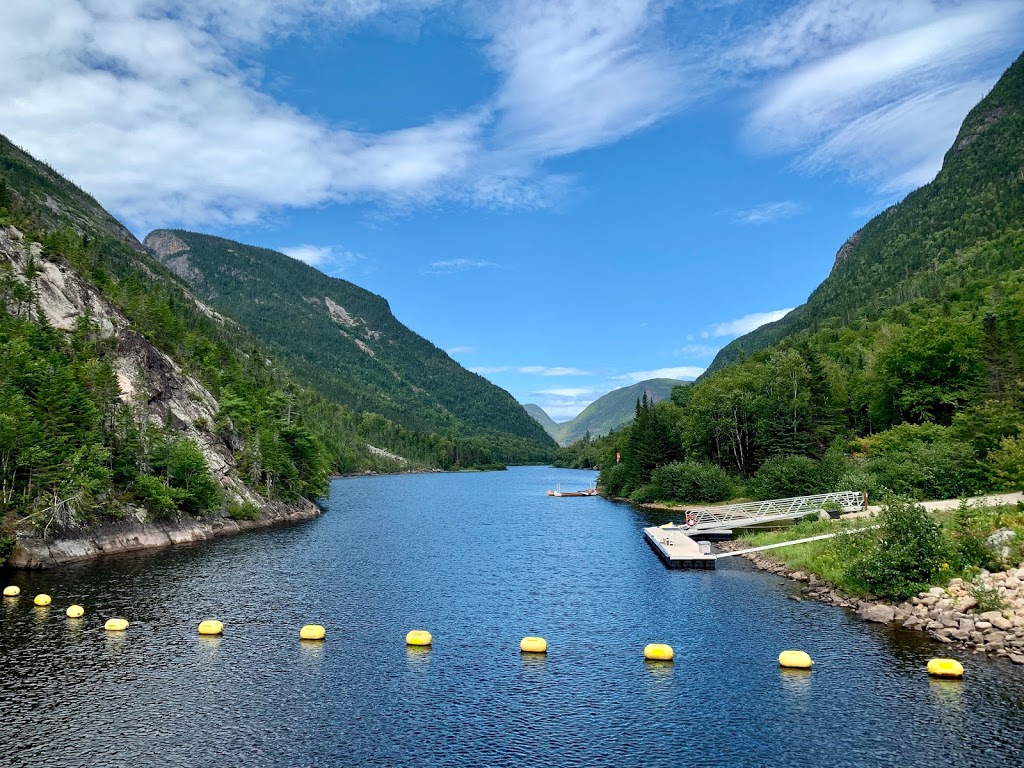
677, 550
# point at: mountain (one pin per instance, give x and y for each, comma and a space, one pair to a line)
124, 398
938, 240
344, 340
608, 412
134, 414
542, 418
903, 372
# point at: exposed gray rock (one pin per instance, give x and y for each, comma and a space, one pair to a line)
877, 612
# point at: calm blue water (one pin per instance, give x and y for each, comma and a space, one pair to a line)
480, 560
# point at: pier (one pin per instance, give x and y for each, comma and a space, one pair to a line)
677, 550
676, 547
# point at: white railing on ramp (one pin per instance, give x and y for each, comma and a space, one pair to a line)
707, 519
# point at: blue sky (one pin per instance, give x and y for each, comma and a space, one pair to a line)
567, 196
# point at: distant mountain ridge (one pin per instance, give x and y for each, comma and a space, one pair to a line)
342, 339
608, 412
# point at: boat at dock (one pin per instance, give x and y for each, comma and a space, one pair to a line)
559, 492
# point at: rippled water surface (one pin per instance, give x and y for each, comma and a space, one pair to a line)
479, 560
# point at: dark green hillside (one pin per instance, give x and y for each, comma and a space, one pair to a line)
542, 418
120, 390
940, 241
346, 342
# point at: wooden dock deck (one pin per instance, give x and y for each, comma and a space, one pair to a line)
676, 549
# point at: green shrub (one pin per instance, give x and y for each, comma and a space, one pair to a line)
160, 500
859, 478
1008, 463
7, 542
613, 479
243, 510
189, 474
692, 481
925, 461
908, 552
782, 477
989, 597
645, 494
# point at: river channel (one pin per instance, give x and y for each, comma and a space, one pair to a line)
479, 560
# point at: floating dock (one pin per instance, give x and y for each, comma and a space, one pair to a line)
677, 550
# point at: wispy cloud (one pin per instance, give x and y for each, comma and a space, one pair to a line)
570, 392
768, 212
745, 324
181, 130
579, 74
873, 89
460, 350
536, 370
329, 258
697, 350
449, 266
682, 372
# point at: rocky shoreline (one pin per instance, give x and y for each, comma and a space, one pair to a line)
135, 534
948, 615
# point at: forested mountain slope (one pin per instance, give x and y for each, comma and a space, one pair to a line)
343, 339
125, 397
542, 418
962, 228
904, 371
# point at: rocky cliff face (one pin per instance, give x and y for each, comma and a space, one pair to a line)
156, 389
846, 249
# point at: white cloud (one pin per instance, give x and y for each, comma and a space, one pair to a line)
697, 350
314, 255
899, 146
327, 258
683, 372
745, 324
578, 74
458, 265
149, 106
769, 212
874, 89
570, 392
461, 350
537, 370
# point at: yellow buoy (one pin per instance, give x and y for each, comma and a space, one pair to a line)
116, 625
533, 645
75, 612
418, 637
659, 652
42, 600
12, 591
312, 632
211, 627
945, 668
795, 660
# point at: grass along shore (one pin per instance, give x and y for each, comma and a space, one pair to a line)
910, 550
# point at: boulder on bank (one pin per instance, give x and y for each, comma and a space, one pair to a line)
877, 612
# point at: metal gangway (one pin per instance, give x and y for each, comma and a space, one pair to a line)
709, 519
